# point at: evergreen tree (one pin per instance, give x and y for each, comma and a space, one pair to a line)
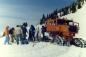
65, 10
43, 19
80, 1
73, 7
52, 16
62, 10
79, 5
69, 11
47, 16
55, 14
59, 12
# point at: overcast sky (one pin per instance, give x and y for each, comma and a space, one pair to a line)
30, 10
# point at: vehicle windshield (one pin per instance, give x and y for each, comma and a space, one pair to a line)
60, 21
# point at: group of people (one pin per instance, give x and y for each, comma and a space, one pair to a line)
22, 34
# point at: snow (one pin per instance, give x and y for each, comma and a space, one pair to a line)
41, 49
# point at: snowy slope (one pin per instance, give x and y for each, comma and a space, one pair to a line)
80, 16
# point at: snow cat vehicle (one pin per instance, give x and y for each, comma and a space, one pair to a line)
62, 31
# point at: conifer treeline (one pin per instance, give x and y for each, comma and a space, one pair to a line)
63, 11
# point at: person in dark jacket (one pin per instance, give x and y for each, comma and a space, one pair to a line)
11, 33
43, 30
24, 31
32, 33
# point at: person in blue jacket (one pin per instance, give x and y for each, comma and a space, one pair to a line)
32, 33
